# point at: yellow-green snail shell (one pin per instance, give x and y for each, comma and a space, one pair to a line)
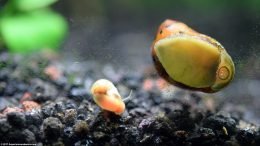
191, 60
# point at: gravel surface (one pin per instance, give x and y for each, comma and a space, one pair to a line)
45, 100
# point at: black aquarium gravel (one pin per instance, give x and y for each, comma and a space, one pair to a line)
62, 111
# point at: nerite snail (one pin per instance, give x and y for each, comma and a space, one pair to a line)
190, 59
106, 95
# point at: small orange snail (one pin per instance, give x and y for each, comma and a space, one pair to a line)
191, 60
106, 96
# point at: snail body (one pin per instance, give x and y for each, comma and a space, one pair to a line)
191, 60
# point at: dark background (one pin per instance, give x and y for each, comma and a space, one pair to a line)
118, 30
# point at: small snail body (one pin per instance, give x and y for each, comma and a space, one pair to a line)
106, 95
191, 60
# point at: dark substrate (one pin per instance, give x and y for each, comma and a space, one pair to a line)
68, 115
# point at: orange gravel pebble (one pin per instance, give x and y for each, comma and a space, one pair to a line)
53, 72
26, 96
30, 105
148, 84
12, 109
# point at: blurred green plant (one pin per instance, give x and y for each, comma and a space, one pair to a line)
27, 26
28, 5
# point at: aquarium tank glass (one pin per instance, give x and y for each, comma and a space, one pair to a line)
130, 72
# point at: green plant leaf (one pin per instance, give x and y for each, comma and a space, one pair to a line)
27, 32
27, 5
